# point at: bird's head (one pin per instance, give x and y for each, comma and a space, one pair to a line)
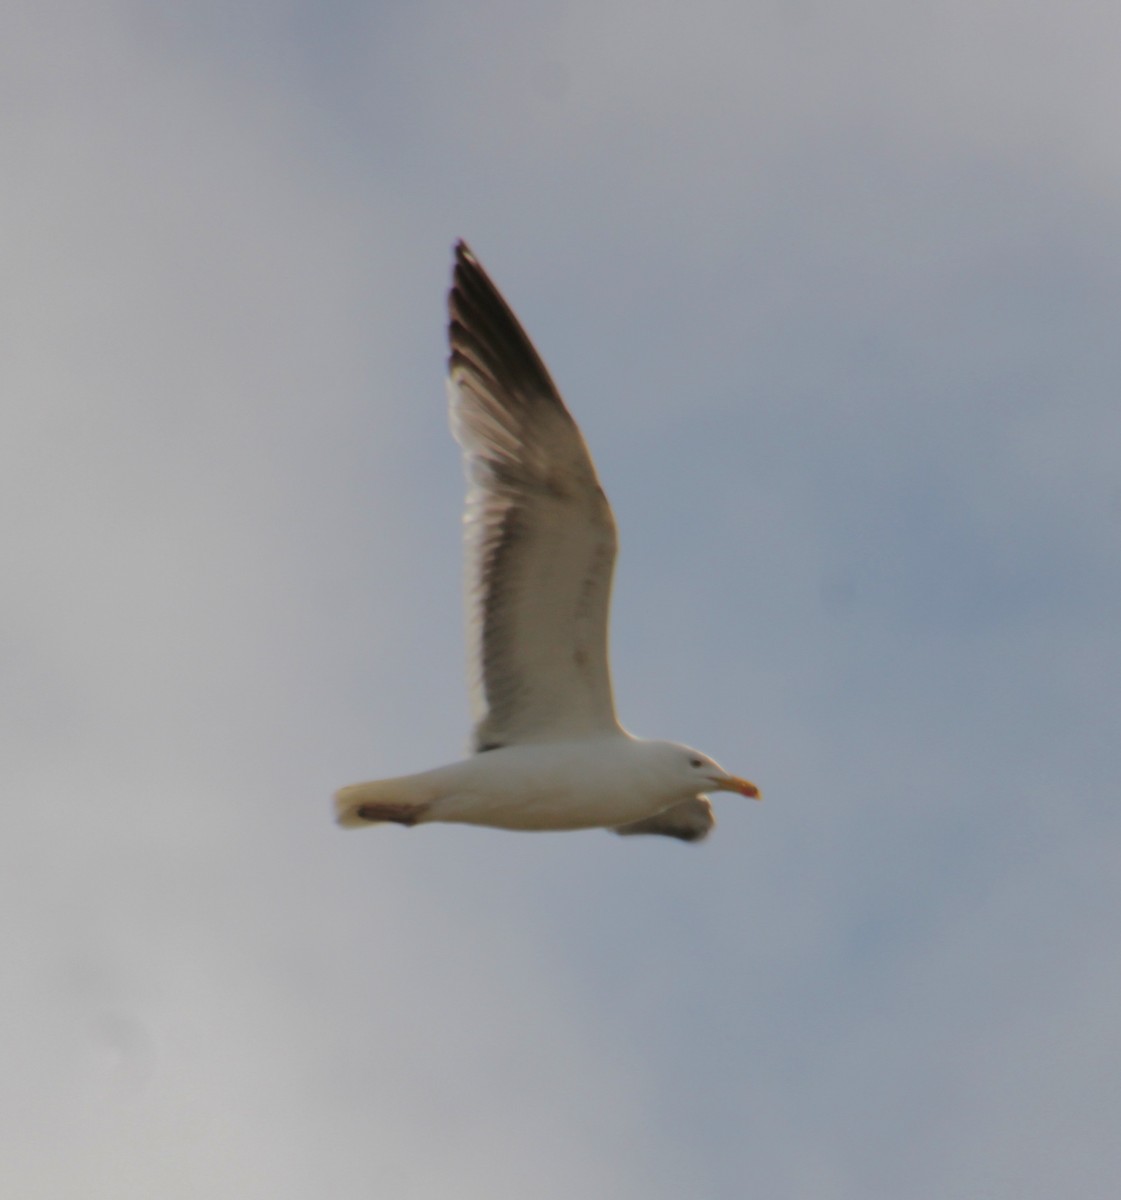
699, 773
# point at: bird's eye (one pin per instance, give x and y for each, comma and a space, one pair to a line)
695, 762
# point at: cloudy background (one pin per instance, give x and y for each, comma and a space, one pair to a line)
834, 292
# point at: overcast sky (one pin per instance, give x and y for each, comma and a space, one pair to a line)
834, 292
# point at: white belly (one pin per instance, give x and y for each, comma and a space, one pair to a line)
563, 785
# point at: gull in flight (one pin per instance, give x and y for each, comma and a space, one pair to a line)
549, 752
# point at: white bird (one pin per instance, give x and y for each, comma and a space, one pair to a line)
540, 542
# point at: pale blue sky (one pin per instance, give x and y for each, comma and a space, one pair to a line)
834, 295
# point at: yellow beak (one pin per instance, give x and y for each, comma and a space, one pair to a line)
732, 783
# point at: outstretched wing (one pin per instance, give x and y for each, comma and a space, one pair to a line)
540, 535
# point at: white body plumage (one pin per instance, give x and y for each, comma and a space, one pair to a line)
612, 781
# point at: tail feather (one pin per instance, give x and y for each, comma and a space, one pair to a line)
377, 802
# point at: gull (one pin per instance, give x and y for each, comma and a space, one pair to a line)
549, 752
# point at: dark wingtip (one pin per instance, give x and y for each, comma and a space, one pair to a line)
485, 335
465, 267
465, 261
